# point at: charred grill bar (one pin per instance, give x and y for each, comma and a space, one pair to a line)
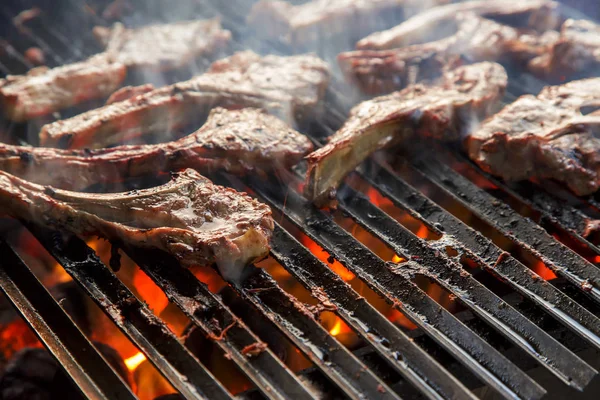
344, 371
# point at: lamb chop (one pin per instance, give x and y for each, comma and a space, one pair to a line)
43, 91
446, 111
545, 136
194, 220
239, 142
287, 86
446, 36
575, 53
434, 24
163, 46
304, 26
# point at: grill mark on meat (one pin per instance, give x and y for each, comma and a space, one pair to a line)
544, 136
575, 53
43, 91
163, 46
446, 111
240, 142
396, 58
192, 219
305, 26
286, 86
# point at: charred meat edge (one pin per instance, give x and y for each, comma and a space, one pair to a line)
240, 142
446, 111
194, 220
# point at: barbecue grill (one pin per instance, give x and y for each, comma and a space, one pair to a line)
517, 264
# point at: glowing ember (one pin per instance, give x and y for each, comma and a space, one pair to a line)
597, 259
134, 361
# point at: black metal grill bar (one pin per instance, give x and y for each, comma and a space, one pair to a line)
74, 353
299, 324
468, 348
450, 274
414, 364
203, 307
488, 255
147, 331
524, 232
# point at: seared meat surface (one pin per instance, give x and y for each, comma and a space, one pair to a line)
575, 53
423, 46
306, 25
239, 142
163, 46
192, 219
545, 136
290, 87
446, 111
43, 91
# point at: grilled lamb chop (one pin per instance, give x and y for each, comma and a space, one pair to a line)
460, 32
305, 26
288, 86
545, 137
197, 222
540, 15
575, 53
163, 46
240, 142
446, 111
43, 91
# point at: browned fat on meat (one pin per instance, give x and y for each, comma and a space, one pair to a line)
575, 53
194, 220
163, 46
290, 87
240, 142
545, 136
423, 46
445, 111
307, 25
43, 91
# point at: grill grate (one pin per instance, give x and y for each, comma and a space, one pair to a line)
345, 371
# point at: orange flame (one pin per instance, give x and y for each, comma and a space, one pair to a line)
337, 328
397, 259
542, 270
322, 255
134, 361
397, 317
